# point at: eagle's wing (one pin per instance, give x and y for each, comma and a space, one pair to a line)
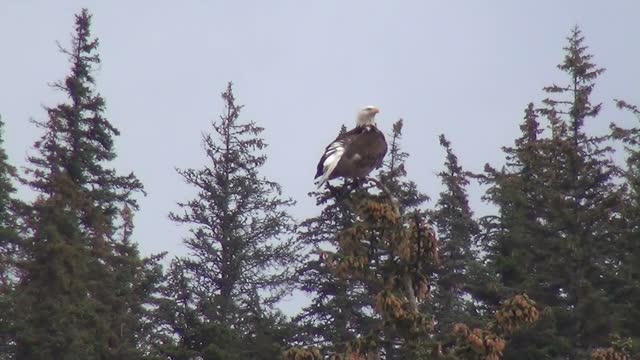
332, 155
382, 149
366, 152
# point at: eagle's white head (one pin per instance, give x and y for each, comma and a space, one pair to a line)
366, 116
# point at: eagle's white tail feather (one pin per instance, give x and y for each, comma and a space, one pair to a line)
333, 154
320, 182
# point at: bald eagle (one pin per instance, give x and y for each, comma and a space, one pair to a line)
355, 153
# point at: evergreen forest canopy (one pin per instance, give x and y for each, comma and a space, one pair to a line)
553, 273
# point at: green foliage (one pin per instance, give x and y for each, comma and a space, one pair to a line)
55, 312
9, 253
337, 313
370, 253
620, 349
8, 224
136, 285
558, 200
625, 291
83, 287
489, 342
457, 232
553, 274
219, 299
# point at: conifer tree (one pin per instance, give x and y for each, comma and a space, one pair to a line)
8, 234
588, 196
515, 241
553, 238
71, 302
394, 174
9, 247
337, 314
377, 260
453, 220
220, 298
625, 290
368, 267
512, 235
136, 286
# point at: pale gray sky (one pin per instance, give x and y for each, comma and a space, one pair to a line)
303, 68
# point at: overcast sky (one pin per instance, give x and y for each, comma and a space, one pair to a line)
303, 68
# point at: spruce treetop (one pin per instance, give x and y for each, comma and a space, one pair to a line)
78, 140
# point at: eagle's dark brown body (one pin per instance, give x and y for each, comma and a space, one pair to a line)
360, 150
